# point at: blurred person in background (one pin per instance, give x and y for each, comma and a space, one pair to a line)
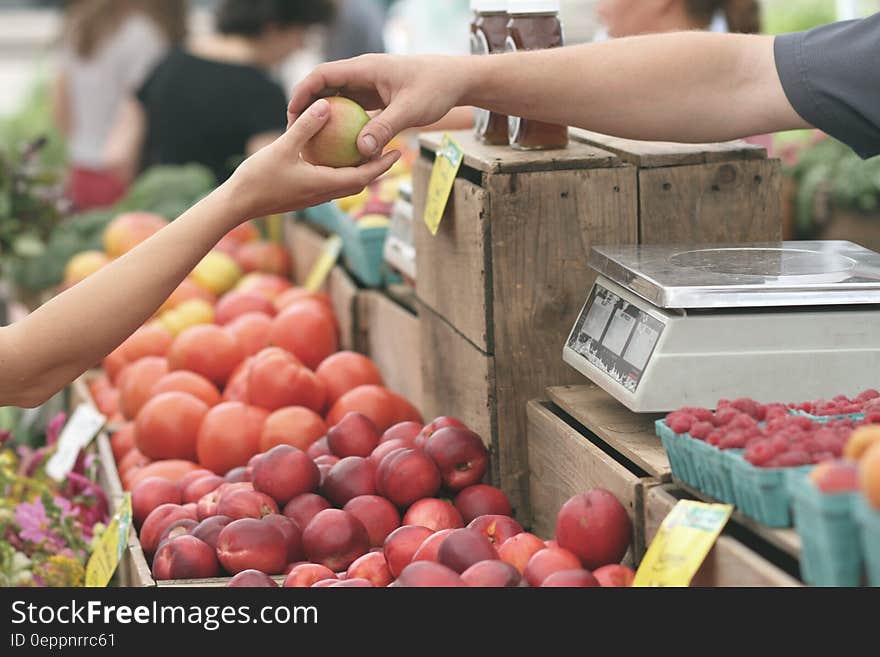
214, 101
108, 47
356, 30
623, 18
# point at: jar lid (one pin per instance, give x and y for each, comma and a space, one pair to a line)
489, 6
533, 6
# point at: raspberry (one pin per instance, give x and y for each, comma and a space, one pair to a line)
715, 437
743, 422
679, 421
734, 440
759, 453
793, 458
749, 407
872, 418
701, 430
867, 395
724, 416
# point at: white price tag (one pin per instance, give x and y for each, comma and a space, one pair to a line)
79, 431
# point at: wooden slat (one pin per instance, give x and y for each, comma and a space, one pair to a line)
214, 582
391, 338
503, 159
304, 244
543, 226
343, 293
564, 463
631, 434
653, 154
723, 203
453, 265
730, 563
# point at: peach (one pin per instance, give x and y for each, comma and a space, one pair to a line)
263, 256
122, 442
548, 561
324, 583
191, 476
435, 425
323, 470
236, 303
292, 535
482, 500
435, 514
835, 476
245, 504
406, 431
136, 383
372, 567
306, 574
429, 574
359, 582
860, 440
171, 469
401, 545
250, 543
252, 332
269, 285
151, 493
575, 578
238, 475
251, 579
201, 487
595, 527
167, 425
352, 477
496, 528
463, 548
383, 449
208, 530
495, 574
284, 472
335, 145
379, 516
460, 456
83, 265
354, 435
407, 475
869, 475
128, 230
319, 448
185, 557
335, 538
190, 382
177, 528
158, 521
430, 546
614, 575
517, 550
303, 508
327, 459
293, 425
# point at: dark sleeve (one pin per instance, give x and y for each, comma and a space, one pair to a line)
831, 76
267, 109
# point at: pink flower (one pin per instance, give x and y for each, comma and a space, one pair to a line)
34, 523
5, 437
53, 429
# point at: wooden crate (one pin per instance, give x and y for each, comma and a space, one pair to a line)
565, 461
701, 193
503, 281
730, 563
389, 334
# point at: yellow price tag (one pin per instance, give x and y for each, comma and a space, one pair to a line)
322, 267
446, 166
275, 227
108, 553
682, 543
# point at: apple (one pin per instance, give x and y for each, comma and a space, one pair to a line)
306, 574
335, 145
433, 513
285, 472
496, 528
354, 435
319, 448
158, 521
548, 561
595, 527
251, 579
496, 574
372, 567
431, 546
406, 431
250, 543
303, 508
150, 493
407, 475
614, 575
482, 500
185, 557
378, 515
427, 574
575, 578
292, 535
246, 504
401, 545
208, 530
463, 548
335, 538
460, 456
352, 477
435, 425
517, 550
383, 449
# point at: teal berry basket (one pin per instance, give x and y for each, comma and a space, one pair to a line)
719, 472
831, 552
822, 419
868, 522
761, 493
363, 252
679, 452
327, 215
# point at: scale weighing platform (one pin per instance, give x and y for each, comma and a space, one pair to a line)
666, 327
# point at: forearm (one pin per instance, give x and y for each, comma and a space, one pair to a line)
76, 329
694, 87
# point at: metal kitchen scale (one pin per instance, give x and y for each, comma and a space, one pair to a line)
666, 327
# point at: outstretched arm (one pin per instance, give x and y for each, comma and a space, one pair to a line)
692, 87
55, 344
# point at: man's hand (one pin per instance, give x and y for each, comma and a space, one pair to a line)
277, 179
409, 92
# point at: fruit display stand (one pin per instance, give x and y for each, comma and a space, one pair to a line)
700, 193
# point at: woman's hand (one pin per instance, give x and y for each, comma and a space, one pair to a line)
410, 92
277, 179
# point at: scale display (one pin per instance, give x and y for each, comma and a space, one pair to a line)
616, 336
